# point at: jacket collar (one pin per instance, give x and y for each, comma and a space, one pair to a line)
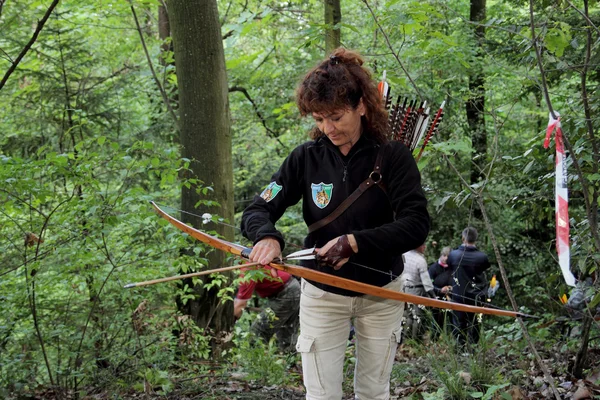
363, 142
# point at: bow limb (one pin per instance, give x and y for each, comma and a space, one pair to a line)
332, 280
210, 240
367, 289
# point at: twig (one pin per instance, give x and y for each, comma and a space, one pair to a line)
593, 217
584, 15
270, 132
38, 29
160, 87
387, 39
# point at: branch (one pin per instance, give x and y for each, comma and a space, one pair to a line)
38, 29
101, 80
270, 132
538, 57
387, 39
584, 15
509, 293
593, 217
160, 87
580, 175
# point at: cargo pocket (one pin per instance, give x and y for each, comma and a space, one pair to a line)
310, 365
390, 356
311, 291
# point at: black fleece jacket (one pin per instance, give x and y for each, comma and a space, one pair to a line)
384, 223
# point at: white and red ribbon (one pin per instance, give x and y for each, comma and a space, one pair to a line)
561, 199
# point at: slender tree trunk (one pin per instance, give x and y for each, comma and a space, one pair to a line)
581, 357
333, 16
164, 31
476, 102
205, 137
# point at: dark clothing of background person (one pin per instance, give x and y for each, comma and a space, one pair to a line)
468, 287
441, 276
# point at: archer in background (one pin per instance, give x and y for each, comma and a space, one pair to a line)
282, 293
360, 233
469, 285
416, 280
441, 275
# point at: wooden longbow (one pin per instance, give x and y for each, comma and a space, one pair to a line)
332, 280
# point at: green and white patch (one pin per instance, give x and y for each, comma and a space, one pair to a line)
321, 193
271, 191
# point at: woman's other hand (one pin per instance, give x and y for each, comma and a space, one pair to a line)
337, 251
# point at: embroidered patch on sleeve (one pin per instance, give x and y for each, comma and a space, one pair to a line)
271, 191
321, 193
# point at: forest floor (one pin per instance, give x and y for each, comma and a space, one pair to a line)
514, 375
504, 369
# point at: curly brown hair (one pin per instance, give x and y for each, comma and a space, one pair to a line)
337, 83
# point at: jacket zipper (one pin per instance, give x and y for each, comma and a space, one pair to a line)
346, 164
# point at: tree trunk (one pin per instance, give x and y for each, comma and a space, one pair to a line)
205, 137
476, 102
164, 31
333, 16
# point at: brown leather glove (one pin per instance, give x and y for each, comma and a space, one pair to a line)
340, 250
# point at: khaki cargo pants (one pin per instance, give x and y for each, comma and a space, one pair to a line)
324, 327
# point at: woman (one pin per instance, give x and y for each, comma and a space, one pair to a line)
364, 243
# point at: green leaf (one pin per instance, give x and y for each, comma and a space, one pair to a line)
594, 301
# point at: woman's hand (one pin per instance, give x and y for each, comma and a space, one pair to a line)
337, 251
265, 251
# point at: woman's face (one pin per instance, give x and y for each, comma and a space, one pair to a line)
342, 127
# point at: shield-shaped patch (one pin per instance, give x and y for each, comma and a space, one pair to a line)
321, 193
271, 191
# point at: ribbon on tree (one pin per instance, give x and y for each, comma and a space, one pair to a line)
561, 199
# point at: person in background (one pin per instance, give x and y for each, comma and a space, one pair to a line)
469, 285
348, 149
282, 292
441, 276
416, 280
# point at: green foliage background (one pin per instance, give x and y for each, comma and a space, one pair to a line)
86, 142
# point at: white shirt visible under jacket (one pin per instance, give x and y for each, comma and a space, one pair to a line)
415, 278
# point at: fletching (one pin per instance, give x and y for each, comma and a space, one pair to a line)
409, 121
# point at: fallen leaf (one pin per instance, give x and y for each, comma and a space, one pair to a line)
582, 393
465, 376
516, 393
